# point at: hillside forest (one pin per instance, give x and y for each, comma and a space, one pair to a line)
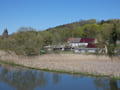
28, 41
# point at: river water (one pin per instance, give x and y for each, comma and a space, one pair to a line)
16, 78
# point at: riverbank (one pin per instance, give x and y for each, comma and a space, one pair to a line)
69, 63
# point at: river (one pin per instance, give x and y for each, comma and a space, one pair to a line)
17, 78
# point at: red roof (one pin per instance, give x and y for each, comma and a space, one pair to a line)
87, 40
91, 45
69, 39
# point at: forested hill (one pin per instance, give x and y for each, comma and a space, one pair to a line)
86, 28
28, 41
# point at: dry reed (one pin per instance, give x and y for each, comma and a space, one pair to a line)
92, 64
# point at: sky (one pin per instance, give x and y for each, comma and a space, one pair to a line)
43, 14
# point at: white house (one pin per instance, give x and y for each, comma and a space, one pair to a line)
74, 42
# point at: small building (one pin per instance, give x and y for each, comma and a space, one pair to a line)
74, 42
58, 48
49, 47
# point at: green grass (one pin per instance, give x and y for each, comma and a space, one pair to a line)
67, 72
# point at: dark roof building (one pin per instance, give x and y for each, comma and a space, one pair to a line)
87, 40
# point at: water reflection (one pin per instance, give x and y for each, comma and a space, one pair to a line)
113, 85
25, 79
56, 78
106, 84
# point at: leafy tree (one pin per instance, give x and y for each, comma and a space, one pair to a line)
112, 42
77, 31
91, 30
106, 30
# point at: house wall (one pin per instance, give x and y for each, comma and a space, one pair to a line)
82, 50
85, 50
91, 50
78, 44
95, 41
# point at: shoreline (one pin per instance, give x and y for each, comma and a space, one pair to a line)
101, 66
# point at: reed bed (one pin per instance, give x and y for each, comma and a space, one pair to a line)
91, 64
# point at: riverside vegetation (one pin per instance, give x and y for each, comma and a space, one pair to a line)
68, 63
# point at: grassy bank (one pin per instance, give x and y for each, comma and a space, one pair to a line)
67, 72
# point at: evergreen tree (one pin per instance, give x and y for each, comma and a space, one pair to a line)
112, 42
5, 34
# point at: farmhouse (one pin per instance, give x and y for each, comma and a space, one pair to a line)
76, 42
83, 45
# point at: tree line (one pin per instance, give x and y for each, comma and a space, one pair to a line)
28, 41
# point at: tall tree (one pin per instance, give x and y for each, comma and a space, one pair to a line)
5, 34
112, 41
113, 36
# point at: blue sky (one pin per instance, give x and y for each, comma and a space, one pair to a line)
43, 14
